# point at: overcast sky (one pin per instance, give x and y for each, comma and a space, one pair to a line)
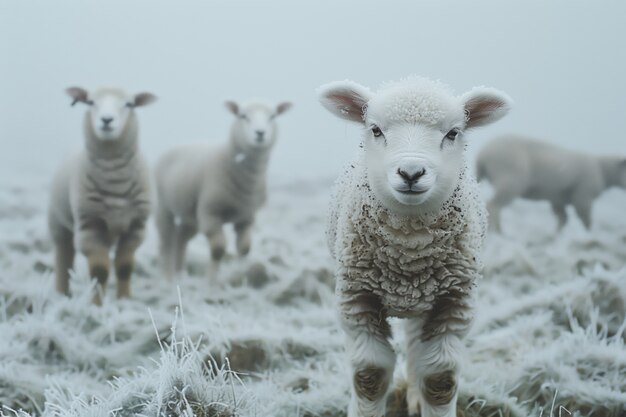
563, 62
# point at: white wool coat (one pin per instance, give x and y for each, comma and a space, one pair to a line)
407, 262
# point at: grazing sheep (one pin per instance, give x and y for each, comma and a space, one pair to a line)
406, 231
101, 197
520, 167
201, 188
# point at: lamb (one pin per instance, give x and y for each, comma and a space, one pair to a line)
405, 230
201, 188
517, 166
101, 196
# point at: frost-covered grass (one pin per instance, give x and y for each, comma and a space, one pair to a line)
549, 331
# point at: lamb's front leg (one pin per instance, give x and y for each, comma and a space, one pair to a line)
434, 346
212, 228
125, 256
94, 242
244, 239
371, 356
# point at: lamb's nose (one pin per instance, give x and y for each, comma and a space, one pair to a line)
259, 135
411, 178
107, 120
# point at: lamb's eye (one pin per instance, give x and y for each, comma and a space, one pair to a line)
130, 105
89, 102
376, 131
243, 117
451, 135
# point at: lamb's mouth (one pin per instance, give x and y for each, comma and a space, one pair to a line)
107, 129
412, 192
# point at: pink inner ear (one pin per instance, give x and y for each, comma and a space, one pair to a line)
143, 99
481, 110
77, 93
283, 107
232, 107
349, 104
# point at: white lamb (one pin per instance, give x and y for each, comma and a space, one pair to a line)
406, 231
519, 167
201, 188
101, 197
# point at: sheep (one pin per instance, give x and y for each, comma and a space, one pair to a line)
201, 188
517, 166
406, 228
101, 196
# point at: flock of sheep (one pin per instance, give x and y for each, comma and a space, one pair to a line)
406, 225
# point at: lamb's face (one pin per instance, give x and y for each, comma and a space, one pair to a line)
255, 124
412, 163
413, 136
109, 109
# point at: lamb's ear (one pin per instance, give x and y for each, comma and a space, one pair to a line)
78, 95
143, 99
484, 106
283, 107
232, 107
345, 99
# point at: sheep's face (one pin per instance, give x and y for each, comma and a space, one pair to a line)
255, 124
413, 136
109, 109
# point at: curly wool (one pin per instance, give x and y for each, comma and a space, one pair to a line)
406, 261
416, 100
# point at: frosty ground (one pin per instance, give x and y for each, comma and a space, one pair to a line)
548, 336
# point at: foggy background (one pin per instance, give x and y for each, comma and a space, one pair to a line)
563, 63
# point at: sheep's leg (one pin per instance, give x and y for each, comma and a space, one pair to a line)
371, 355
64, 253
212, 228
183, 234
166, 227
583, 210
125, 257
94, 243
561, 214
244, 240
433, 368
502, 198
434, 343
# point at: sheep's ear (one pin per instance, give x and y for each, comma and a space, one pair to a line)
232, 107
143, 99
345, 99
283, 107
484, 106
78, 95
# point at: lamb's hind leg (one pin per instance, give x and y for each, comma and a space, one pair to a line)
64, 253
182, 236
125, 257
371, 355
166, 228
583, 210
503, 197
561, 215
433, 349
